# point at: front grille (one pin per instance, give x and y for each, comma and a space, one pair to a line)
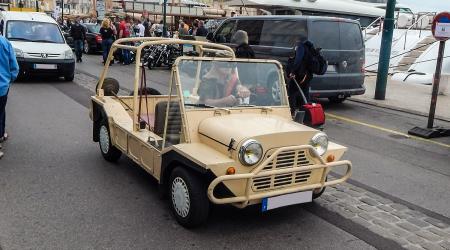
286, 159
289, 159
43, 55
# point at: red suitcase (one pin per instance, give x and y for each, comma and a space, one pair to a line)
314, 114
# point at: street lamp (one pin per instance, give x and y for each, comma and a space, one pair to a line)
164, 18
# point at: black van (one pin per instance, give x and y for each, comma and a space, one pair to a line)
273, 37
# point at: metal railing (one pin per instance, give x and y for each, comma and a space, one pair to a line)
414, 25
371, 25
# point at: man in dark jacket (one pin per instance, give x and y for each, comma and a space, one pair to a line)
78, 33
297, 69
201, 30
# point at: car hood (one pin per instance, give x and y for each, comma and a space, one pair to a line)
35, 47
273, 129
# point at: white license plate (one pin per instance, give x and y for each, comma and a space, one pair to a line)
286, 200
331, 68
45, 66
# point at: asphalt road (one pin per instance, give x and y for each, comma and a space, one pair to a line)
57, 192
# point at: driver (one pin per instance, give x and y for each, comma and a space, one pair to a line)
221, 86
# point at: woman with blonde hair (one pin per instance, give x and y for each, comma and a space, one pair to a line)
107, 34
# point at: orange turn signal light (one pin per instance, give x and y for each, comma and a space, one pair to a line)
231, 170
330, 158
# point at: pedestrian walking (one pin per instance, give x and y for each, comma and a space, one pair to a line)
124, 32
78, 33
140, 29
243, 50
9, 69
183, 29
107, 34
297, 68
147, 24
201, 30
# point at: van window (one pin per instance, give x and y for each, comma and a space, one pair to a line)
225, 32
33, 32
253, 29
283, 33
351, 38
325, 35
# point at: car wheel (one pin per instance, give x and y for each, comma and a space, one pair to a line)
188, 199
69, 77
318, 192
337, 99
86, 48
109, 152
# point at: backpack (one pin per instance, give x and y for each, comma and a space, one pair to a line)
315, 62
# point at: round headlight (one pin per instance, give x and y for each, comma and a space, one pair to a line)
250, 153
320, 143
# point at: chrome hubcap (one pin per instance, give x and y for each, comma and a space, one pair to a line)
104, 139
180, 197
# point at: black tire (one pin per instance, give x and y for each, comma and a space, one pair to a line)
198, 209
151, 64
150, 91
110, 86
69, 77
336, 99
317, 194
109, 152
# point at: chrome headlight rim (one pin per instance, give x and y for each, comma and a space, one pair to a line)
244, 147
68, 54
320, 143
18, 52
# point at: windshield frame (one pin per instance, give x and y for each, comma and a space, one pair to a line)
179, 88
90, 28
63, 40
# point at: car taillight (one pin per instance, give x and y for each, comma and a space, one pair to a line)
98, 38
363, 65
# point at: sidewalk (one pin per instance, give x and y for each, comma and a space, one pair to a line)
411, 98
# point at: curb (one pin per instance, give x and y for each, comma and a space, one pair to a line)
404, 110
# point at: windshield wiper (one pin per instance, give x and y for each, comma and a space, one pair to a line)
20, 39
199, 105
43, 41
245, 105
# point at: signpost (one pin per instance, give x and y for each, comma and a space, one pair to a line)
441, 31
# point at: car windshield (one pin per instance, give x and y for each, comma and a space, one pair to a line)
93, 28
207, 84
33, 32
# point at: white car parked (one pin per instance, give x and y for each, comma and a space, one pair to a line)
38, 43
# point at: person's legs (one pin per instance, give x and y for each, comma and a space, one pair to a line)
78, 44
108, 48
2, 119
105, 50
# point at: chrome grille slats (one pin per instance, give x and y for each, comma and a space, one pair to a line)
39, 55
284, 160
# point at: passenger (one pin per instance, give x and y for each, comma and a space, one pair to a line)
243, 50
221, 87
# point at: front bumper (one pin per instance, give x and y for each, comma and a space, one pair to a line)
64, 67
261, 172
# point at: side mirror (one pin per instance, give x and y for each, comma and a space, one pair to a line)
210, 37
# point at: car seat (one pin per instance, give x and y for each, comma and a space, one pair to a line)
174, 123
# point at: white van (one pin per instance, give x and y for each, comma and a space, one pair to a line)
39, 44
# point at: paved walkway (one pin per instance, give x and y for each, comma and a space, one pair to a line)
413, 98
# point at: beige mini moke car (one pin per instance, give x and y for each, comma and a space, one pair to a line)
223, 135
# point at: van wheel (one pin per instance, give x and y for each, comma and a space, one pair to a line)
109, 152
336, 99
69, 77
188, 199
